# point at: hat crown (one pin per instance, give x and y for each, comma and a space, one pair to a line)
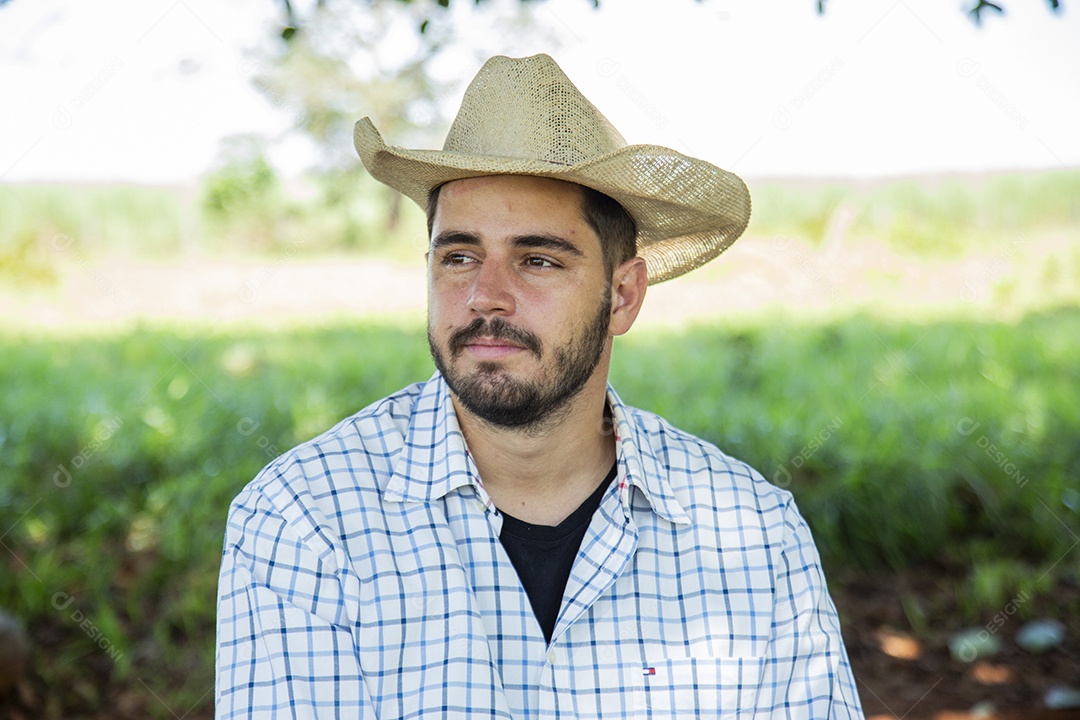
527, 108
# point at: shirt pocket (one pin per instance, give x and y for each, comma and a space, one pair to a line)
703, 687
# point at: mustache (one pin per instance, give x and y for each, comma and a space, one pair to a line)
494, 328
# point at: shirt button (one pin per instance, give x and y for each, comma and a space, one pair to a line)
552, 657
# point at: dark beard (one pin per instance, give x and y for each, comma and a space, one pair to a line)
506, 402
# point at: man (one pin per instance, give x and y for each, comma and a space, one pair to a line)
509, 540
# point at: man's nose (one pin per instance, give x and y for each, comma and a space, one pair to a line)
492, 290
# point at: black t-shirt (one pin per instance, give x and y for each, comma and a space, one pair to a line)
543, 555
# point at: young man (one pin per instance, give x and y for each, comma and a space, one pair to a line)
508, 539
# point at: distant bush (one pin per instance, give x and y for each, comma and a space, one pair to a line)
243, 207
244, 188
903, 443
927, 216
40, 222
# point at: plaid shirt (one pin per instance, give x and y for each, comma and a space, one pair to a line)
363, 577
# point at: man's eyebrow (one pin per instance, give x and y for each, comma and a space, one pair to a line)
538, 242
454, 237
547, 242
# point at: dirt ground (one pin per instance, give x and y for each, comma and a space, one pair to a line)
757, 275
907, 676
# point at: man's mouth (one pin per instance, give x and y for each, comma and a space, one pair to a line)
492, 342
498, 339
490, 348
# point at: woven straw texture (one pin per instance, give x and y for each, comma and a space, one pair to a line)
523, 116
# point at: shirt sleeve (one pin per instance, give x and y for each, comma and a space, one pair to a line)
284, 645
807, 673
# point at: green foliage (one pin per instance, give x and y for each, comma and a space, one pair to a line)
903, 443
242, 201
350, 211
244, 207
41, 224
245, 183
241, 209
114, 485
25, 261
794, 209
944, 216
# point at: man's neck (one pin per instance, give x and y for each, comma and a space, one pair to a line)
541, 475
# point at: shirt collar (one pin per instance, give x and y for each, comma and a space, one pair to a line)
435, 459
639, 465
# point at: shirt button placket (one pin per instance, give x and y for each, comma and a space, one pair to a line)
547, 687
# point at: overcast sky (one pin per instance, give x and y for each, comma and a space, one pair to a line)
143, 91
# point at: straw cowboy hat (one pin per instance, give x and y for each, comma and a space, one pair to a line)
523, 116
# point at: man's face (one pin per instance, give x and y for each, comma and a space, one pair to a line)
518, 300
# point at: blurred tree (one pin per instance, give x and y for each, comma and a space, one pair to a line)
241, 197
355, 59
979, 7
375, 58
335, 57
975, 10
293, 21
333, 61
243, 179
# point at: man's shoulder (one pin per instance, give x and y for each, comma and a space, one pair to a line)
360, 449
696, 468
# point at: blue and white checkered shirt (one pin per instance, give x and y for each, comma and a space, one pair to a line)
363, 577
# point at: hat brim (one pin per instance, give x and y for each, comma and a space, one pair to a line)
687, 211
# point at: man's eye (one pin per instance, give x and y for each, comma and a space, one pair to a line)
540, 262
456, 259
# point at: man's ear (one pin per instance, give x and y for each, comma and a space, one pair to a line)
628, 284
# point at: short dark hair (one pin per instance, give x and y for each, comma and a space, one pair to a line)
606, 217
612, 224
